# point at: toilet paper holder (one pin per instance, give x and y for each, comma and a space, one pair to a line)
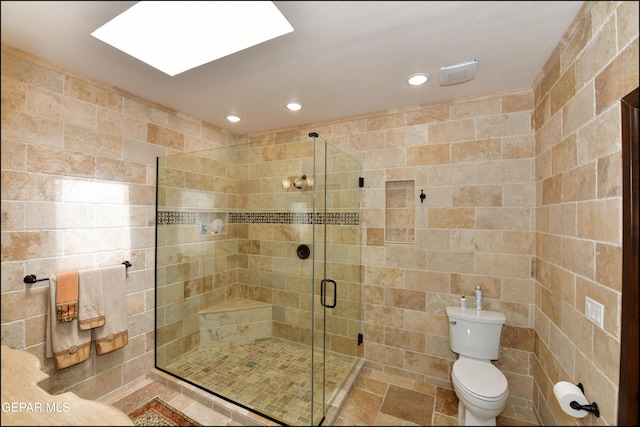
593, 408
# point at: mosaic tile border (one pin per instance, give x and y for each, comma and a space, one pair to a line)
331, 218
176, 217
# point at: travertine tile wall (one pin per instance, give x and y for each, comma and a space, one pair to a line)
78, 191
269, 269
195, 270
579, 208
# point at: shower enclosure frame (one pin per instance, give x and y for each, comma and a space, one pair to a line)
323, 187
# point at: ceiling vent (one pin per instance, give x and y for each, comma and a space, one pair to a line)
458, 73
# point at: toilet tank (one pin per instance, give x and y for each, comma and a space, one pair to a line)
474, 333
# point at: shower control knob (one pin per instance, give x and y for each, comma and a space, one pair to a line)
303, 251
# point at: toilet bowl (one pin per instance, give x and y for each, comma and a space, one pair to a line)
481, 389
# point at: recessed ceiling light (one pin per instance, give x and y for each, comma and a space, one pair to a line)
175, 36
417, 79
233, 118
294, 106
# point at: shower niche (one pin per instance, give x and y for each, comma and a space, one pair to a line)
237, 298
212, 223
400, 211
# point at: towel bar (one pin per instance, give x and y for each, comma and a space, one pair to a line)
31, 278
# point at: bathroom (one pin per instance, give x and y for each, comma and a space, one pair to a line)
497, 172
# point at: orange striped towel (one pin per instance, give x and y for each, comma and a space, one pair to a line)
67, 296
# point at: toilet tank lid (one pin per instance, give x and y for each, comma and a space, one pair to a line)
482, 316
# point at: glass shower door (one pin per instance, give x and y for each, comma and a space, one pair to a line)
336, 271
318, 345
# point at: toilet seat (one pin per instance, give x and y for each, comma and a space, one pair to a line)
480, 379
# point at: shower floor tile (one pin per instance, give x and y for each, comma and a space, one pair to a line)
271, 376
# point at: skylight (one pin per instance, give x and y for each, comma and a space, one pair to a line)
176, 36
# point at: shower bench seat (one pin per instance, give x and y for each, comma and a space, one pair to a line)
235, 320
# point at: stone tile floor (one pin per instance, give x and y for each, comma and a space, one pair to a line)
269, 375
382, 399
377, 399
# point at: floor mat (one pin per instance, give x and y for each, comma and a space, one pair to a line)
157, 412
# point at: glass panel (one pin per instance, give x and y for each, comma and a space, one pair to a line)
319, 274
400, 211
337, 300
236, 300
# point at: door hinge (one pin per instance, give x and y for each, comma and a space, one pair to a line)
360, 339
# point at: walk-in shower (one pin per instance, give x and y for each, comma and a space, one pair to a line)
258, 274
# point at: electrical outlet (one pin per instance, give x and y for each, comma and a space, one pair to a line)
594, 311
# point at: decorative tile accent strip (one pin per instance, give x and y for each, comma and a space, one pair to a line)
174, 217
333, 218
343, 218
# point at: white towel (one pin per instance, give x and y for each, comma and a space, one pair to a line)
90, 299
114, 334
65, 342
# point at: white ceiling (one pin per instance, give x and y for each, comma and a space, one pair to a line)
344, 58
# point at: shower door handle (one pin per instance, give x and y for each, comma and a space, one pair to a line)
323, 293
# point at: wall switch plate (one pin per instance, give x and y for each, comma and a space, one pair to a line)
594, 312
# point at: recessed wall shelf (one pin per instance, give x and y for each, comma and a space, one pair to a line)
400, 211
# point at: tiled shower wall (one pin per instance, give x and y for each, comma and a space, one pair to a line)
195, 269
269, 269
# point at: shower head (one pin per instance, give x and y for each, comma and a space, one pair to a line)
299, 182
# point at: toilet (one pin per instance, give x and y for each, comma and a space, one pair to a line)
481, 388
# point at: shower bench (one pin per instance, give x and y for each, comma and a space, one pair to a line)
235, 320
